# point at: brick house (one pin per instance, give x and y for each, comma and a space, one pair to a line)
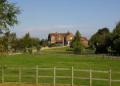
60, 38
64, 39
84, 41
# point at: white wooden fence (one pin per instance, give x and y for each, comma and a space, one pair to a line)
54, 77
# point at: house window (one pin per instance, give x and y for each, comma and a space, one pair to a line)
71, 38
59, 38
52, 38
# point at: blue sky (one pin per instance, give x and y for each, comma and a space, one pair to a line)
40, 17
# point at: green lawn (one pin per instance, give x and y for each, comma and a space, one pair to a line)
62, 60
59, 58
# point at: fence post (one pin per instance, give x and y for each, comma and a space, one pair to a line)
90, 77
20, 75
110, 77
2, 74
54, 76
72, 76
37, 71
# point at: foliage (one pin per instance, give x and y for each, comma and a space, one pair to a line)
9, 42
116, 39
44, 42
101, 41
8, 18
76, 44
27, 41
8, 14
116, 31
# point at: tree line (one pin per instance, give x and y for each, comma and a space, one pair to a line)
10, 42
106, 42
102, 42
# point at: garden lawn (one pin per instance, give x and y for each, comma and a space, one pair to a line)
60, 59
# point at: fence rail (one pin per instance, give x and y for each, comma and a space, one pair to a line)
19, 73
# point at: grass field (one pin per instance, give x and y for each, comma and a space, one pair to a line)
51, 59
60, 58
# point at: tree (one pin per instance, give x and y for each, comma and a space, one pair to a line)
13, 41
101, 41
9, 41
76, 43
116, 31
27, 41
6, 41
8, 18
44, 42
8, 14
116, 39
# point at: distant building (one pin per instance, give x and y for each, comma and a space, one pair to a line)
64, 39
60, 38
84, 41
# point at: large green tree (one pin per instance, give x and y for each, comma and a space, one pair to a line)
116, 39
8, 18
76, 43
101, 40
8, 14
